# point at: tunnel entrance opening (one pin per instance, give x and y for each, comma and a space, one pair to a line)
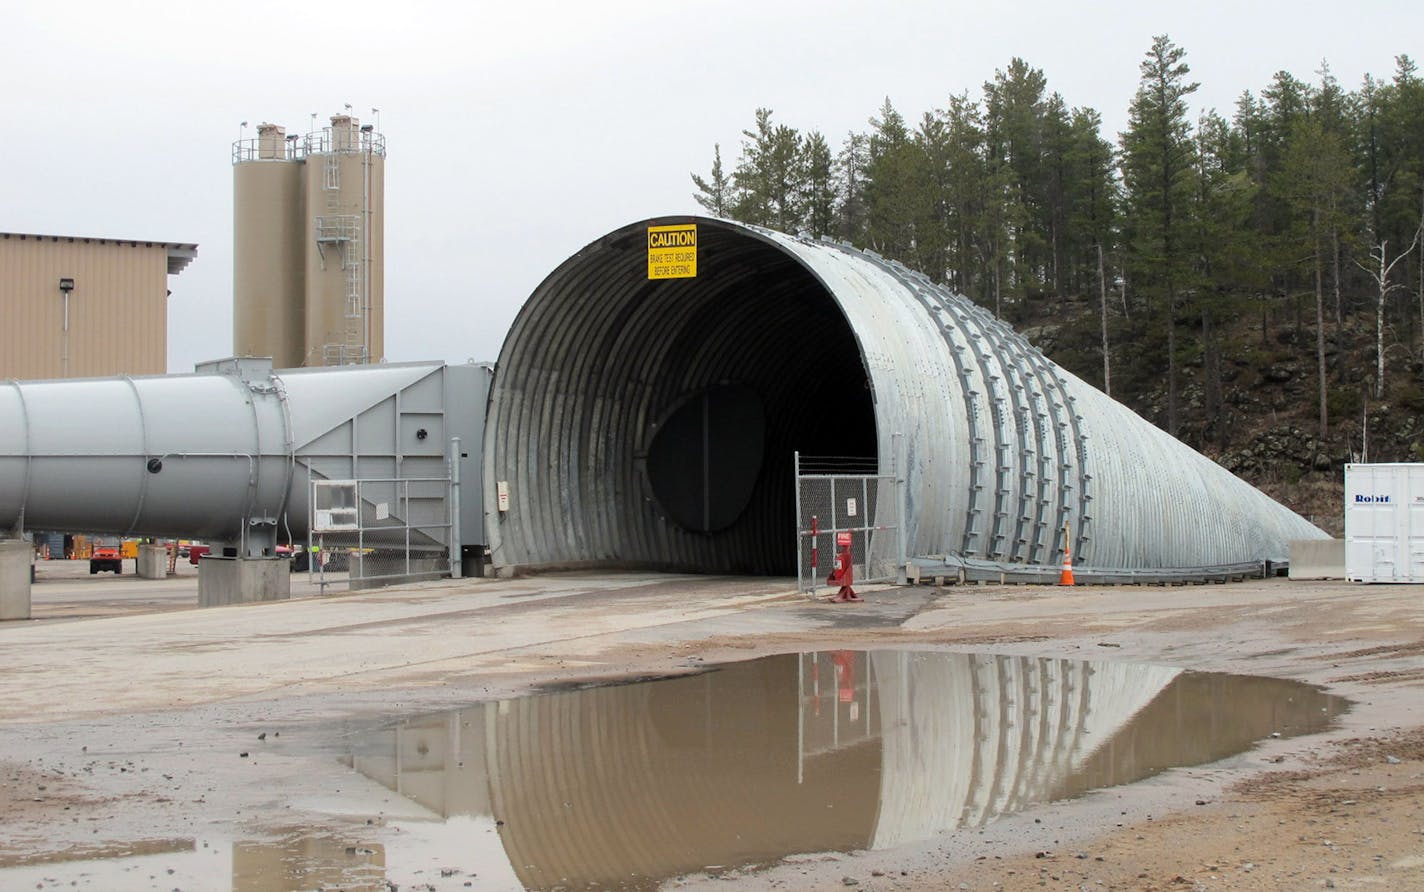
704, 460
653, 424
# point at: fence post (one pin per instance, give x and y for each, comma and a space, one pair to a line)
815, 532
311, 522
868, 520
455, 568
796, 492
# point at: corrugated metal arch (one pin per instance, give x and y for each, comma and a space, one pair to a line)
1001, 447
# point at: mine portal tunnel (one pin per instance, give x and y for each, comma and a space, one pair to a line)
652, 423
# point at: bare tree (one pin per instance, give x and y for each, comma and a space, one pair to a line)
1380, 273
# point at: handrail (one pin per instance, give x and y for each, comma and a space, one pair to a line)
320, 142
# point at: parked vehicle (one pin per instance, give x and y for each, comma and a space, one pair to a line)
106, 555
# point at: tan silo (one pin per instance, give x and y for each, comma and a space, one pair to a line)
345, 277
269, 248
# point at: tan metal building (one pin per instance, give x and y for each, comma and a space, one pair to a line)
308, 245
73, 307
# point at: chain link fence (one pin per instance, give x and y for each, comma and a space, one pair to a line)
846, 495
373, 532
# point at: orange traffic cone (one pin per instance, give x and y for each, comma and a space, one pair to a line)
1066, 577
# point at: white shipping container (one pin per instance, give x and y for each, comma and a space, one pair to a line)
1384, 523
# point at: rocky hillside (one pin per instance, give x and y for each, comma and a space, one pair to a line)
1264, 425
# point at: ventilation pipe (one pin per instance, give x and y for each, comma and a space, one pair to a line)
225, 457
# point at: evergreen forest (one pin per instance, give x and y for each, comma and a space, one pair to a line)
1251, 283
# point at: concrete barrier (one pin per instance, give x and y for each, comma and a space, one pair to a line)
153, 562
224, 580
16, 557
1317, 559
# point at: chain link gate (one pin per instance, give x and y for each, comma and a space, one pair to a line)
847, 495
379, 531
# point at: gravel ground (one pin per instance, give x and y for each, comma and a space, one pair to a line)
131, 737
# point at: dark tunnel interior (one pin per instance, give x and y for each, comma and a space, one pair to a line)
665, 414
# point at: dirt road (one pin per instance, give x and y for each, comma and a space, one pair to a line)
143, 750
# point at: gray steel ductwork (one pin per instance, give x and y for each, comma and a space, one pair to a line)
229, 456
196, 453
615, 396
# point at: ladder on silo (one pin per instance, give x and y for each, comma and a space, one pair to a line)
344, 231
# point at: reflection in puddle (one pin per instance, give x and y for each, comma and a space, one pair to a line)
114, 852
750, 762
301, 861
295, 859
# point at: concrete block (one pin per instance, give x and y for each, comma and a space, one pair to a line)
1317, 559
153, 561
224, 580
16, 556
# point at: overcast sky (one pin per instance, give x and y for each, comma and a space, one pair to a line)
519, 132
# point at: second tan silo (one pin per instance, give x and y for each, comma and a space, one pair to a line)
269, 239
344, 311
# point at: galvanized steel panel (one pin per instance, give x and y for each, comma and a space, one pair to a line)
1002, 448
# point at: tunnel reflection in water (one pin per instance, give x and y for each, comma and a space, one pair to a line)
745, 764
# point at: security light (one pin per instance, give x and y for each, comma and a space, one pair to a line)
66, 285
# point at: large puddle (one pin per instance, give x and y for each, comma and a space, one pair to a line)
748, 763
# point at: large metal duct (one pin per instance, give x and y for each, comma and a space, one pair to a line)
652, 423
229, 456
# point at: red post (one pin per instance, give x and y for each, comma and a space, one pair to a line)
815, 530
843, 574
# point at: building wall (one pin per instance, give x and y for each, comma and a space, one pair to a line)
118, 311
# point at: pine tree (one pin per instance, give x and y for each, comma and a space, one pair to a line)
1315, 173
929, 191
965, 186
715, 192
1057, 146
1091, 197
850, 174
1335, 111
1402, 171
889, 185
1014, 124
1157, 165
769, 177
818, 185
1227, 271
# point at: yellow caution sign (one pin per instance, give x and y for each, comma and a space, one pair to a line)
672, 251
